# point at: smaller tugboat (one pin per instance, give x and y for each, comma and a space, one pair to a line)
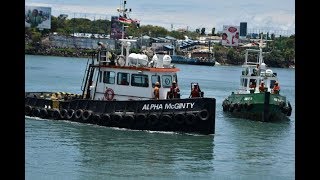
258, 97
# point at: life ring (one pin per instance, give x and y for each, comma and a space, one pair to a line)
86, 115
191, 119
43, 113
203, 115
109, 94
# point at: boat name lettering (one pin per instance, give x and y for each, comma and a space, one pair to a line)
167, 106
248, 98
277, 99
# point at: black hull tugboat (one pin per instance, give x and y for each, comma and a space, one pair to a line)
119, 92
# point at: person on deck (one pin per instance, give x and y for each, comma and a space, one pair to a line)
156, 91
195, 92
261, 87
174, 91
276, 88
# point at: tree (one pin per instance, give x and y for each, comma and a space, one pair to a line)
203, 31
213, 31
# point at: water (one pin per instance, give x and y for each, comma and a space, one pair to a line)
240, 149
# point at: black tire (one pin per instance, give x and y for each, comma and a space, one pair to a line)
153, 120
70, 114
78, 114
27, 110
63, 113
43, 113
127, 121
36, 112
56, 114
165, 120
179, 119
140, 121
116, 119
105, 120
203, 115
86, 115
191, 119
96, 118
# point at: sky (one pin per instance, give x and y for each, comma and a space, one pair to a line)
262, 15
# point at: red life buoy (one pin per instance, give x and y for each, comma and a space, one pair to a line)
109, 94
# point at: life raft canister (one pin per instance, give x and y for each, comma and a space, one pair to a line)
109, 94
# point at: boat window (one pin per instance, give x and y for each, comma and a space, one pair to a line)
139, 80
109, 77
244, 82
272, 83
154, 79
123, 78
166, 81
100, 77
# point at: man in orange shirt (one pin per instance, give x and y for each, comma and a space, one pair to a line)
276, 88
261, 87
156, 91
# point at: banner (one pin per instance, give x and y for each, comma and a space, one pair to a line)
38, 17
116, 28
230, 36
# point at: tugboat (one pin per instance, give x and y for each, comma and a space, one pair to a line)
118, 92
257, 99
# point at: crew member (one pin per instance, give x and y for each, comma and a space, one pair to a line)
261, 87
156, 90
174, 91
195, 92
276, 88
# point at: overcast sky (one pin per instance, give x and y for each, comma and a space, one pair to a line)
191, 14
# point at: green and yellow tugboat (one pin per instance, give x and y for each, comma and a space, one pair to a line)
258, 97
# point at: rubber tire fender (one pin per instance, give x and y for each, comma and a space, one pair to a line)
86, 115
36, 112
78, 114
179, 118
203, 115
43, 113
191, 119
27, 110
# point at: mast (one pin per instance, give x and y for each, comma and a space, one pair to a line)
123, 13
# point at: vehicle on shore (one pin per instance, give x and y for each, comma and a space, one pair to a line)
258, 98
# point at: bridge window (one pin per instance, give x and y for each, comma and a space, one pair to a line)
272, 83
139, 80
166, 81
100, 77
109, 77
123, 78
244, 82
154, 79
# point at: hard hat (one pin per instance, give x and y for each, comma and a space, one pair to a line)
157, 83
173, 82
276, 82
